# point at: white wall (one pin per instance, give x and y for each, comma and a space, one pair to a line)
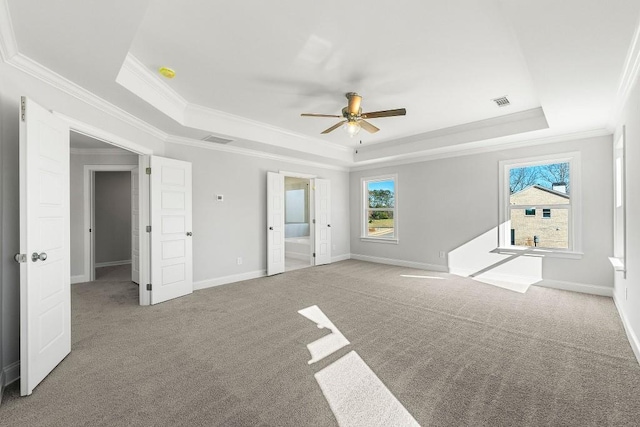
112, 217
629, 307
237, 227
451, 205
14, 84
77, 163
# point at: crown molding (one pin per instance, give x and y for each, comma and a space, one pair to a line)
629, 76
253, 153
473, 149
8, 44
100, 152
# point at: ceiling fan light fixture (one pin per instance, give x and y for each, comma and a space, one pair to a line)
352, 128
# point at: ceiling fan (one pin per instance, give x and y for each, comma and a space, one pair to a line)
355, 118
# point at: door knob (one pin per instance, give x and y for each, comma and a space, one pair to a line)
189, 233
270, 228
329, 225
35, 257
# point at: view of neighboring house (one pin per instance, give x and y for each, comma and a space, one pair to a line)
536, 218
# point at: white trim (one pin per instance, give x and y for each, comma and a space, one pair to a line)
585, 288
80, 278
628, 77
538, 252
631, 335
400, 263
297, 174
178, 140
100, 152
87, 195
475, 148
575, 207
342, 257
364, 207
55, 80
113, 263
11, 372
8, 44
103, 135
210, 283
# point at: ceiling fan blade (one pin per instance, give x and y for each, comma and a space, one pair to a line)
334, 127
385, 113
368, 126
319, 115
354, 103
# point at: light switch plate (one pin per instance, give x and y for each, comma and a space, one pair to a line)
219, 197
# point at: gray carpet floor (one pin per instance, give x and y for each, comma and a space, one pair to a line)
454, 352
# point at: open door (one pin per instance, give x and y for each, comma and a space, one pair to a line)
275, 223
135, 226
323, 221
45, 294
171, 244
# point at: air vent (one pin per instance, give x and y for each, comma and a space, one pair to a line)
502, 101
217, 139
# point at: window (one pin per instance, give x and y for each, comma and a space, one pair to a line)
380, 204
550, 184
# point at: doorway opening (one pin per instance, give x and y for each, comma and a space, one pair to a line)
104, 213
297, 226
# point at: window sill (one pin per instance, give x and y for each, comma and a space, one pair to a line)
617, 263
538, 252
379, 240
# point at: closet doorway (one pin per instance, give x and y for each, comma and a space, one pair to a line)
297, 224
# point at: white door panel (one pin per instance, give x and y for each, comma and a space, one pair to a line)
45, 294
171, 218
323, 221
275, 223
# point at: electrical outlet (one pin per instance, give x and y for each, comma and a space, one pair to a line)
441, 254
239, 260
220, 197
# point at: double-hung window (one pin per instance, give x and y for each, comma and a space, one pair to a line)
540, 204
380, 209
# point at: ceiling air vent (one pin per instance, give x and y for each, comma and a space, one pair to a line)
502, 101
216, 139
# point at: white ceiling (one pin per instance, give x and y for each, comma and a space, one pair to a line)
246, 70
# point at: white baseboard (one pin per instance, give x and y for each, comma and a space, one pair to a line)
204, 284
400, 263
11, 373
584, 288
633, 338
81, 278
113, 263
339, 258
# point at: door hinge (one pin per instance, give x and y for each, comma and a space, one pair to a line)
314, 221
20, 257
148, 229
314, 254
148, 171
149, 286
23, 108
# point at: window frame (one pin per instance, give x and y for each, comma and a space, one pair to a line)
364, 209
574, 233
546, 212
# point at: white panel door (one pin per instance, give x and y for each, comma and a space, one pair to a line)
275, 223
135, 225
45, 293
323, 221
171, 244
